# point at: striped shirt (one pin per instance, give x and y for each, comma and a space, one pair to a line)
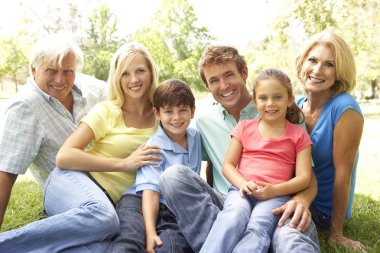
35, 125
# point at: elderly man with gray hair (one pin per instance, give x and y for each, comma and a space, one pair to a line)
35, 125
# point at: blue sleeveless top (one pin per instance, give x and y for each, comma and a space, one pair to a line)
322, 150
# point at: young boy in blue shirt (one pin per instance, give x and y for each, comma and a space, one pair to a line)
174, 106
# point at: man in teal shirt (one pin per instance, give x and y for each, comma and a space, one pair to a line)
194, 203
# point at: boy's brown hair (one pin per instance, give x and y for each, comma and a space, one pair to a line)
173, 92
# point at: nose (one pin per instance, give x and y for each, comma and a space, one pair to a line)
59, 78
133, 78
224, 84
317, 67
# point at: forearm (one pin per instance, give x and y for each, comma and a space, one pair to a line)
7, 181
340, 202
307, 196
150, 207
77, 159
292, 186
233, 175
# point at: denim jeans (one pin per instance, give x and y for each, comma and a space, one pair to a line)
250, 224
79, 214
131, 237
193, 202
196, 206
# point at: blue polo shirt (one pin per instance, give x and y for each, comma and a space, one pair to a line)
148, 176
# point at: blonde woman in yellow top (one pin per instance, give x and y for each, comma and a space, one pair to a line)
98, 162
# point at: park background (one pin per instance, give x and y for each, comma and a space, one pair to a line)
268, 32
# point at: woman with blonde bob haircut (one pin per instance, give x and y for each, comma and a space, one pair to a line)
334, 121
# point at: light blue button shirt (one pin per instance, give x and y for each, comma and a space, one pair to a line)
148, 176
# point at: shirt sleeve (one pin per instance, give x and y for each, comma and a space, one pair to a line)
304, 140
238, 131
20, 138
97, 120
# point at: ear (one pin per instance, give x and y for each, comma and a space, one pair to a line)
244, 74
33, 71
156, 113
192, 112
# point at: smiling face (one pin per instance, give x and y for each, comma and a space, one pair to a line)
136, 79
175, 120
272, 100
56, 79
226, 84
318, 72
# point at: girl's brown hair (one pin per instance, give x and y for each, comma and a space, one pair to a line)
293, 112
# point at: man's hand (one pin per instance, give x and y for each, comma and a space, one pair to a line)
301, 215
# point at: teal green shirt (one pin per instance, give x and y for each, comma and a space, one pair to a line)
215, 125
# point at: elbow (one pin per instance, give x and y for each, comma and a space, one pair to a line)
60, 160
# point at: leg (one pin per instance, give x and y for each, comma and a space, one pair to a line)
171, 237
131, 237
229, 225
261, 225
193, 202
79, 214
286, 239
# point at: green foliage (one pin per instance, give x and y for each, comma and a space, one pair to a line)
101, 42
175, 41
356, 21
13, 61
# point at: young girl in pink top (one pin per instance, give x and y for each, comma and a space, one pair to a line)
268, 159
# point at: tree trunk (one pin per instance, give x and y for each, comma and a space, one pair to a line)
375, 88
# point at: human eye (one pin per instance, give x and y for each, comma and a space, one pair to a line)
125, 74
51, 71
330, 64
312, 60
140, 70
213, 81
68, 72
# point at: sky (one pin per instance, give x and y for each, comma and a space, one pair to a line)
234, 22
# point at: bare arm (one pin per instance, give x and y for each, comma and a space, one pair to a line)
150, 207
347, 135
7, 181
209, 174
72, 155
298, 207
230, 162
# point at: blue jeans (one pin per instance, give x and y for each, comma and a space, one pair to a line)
79, 215
196, 206
250, 224
193, 202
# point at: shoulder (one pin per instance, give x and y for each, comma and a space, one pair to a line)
342, 102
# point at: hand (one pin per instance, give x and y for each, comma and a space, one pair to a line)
340, 239
264, 191
152, 242
301, 215
248, 188
144, 155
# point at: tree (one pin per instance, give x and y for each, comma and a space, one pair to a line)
176, 41
357, 21
101, 42
14, 62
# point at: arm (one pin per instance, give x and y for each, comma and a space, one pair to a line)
298, 206
7, 181
230, 172
301, 180
72, 155
150, 207
209, 174
347, 135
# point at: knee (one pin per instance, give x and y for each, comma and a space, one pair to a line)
171, 178
104, 218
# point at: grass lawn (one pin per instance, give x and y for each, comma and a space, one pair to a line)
26, 201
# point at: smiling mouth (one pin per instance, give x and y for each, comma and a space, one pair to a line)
137, 87
228, 94
177, 125
316, 80
58, 88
